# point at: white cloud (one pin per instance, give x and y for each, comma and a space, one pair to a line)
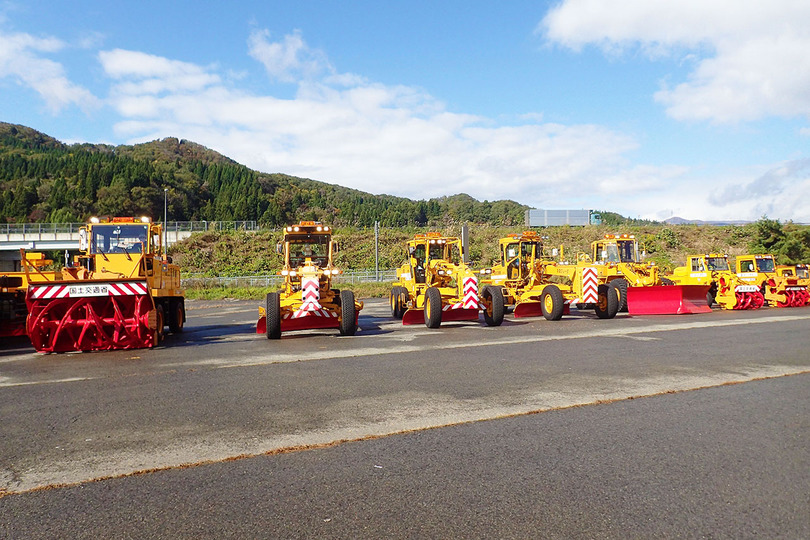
753, 60
22, 59
288, 60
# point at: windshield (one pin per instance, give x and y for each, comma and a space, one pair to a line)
314, 247
765, 265
627, 250
802, 273
116, 238
717, 263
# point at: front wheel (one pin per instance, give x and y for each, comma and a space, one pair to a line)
348, 314
608, 304
620, 288
177, 315
433, 307
494, 306
552, 303
272, 310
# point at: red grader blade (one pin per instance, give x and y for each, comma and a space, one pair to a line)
91, 316
528, 309
667, 300
417, 316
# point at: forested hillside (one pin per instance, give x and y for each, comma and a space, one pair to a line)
44, 180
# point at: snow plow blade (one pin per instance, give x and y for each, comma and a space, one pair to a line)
667, 300
413, 316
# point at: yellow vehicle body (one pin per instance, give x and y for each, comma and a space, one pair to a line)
13, 286
802, 275
307, 300
536, 285
435, 285
120, 292
725, 287
778, 290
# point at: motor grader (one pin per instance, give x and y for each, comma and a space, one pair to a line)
307, 299
536, 285
780, 291
616, 256
434, 285
725, 287
120, 292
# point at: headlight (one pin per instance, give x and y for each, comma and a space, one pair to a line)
335, 271
285, 272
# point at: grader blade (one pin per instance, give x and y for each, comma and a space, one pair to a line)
528, 309
460, 314
91, 316
667, 300
413, 316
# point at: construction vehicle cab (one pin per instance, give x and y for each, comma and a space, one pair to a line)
307, 299
119, 293
614, 248
435, 285
779, 290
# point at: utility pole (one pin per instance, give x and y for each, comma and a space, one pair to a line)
165, 224
377, 251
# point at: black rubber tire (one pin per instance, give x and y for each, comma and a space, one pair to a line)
620, 287
608, 304
161, 322
433, 307
177, 315
272, 310
159, 315
552, 295
398, 300
494, 308
348, 314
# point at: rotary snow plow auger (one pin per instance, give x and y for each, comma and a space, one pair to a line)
724, 286
307, 300
779, 291
436, 286
118, 294
535, 285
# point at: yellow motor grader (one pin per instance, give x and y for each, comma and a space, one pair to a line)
725, 287
119, 293
435, 285
617, 258
778, 290
535, 285
307, 299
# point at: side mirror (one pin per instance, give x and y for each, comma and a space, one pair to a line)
280, 248
604, 255
335, 247
555, 252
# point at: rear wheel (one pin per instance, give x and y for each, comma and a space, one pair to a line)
177, 315
433, 307
272, 310
494, 306
552, 303
397, 300
348, 314
608, 304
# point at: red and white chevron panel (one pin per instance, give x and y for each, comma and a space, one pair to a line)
321, 313
470, 299
310, 294
590, 285
122, 288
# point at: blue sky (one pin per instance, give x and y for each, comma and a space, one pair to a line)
692, 108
